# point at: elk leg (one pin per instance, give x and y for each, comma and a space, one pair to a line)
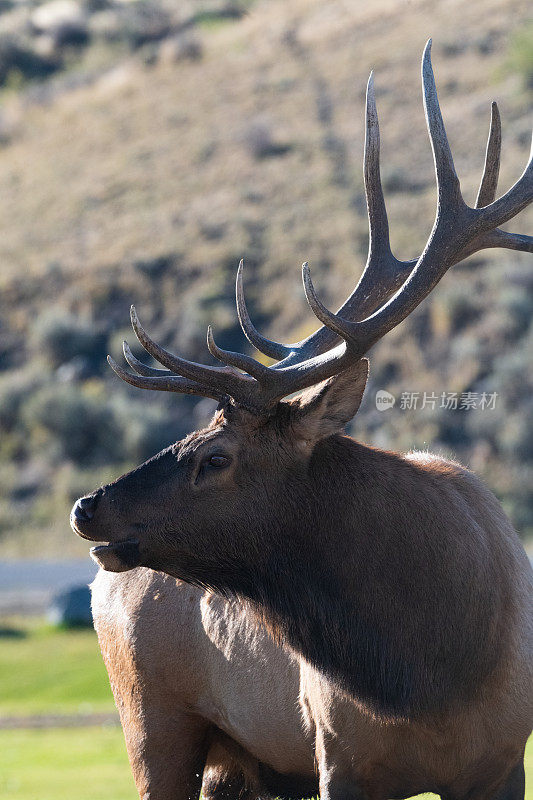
167, 750
335, 768
230, 773
337, 782
515, 786
340, 789
228, 788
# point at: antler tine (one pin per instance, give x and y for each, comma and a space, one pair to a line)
215, 381
335, 323
267, 346
511, 241
360, 334
512, 202
378, 223
139, 367
283, 379
383, 274
189, 369
458, 230
447, 180
172, 383
238, 360
381, 278
491, 171
276, 380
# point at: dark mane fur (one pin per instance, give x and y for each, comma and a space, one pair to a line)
363, 620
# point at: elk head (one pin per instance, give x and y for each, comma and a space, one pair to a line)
219, 501
197, 507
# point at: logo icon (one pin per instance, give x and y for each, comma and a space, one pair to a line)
384, 400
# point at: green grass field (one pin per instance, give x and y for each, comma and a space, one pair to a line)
48, 671
43, 670
46, 765
60, 764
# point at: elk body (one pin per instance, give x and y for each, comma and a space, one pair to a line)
206, 699
397, 580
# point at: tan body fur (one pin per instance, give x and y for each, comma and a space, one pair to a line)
185, 665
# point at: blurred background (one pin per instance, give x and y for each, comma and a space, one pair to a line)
145, 147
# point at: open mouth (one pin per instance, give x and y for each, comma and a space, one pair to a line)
117, 556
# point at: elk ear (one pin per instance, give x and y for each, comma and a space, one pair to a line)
326, 408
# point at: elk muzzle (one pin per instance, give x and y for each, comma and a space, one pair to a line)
117, 556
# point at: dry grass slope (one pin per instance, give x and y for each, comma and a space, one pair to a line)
148, 183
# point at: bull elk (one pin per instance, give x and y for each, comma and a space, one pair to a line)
397, 579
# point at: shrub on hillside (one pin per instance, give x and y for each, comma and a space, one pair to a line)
20, 62
461, 307
146, 429
15, 388
517, 304
61, 418
63, 22
88, 428
261, 141
143, 23
62, 337
521, 54
517, 436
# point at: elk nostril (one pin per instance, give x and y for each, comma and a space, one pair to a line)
86, 506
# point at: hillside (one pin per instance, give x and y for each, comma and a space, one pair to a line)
143, 174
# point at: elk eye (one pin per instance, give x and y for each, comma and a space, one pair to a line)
218, 461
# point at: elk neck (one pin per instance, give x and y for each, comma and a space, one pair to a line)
362, 563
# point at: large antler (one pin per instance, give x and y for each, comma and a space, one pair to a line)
388, 291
